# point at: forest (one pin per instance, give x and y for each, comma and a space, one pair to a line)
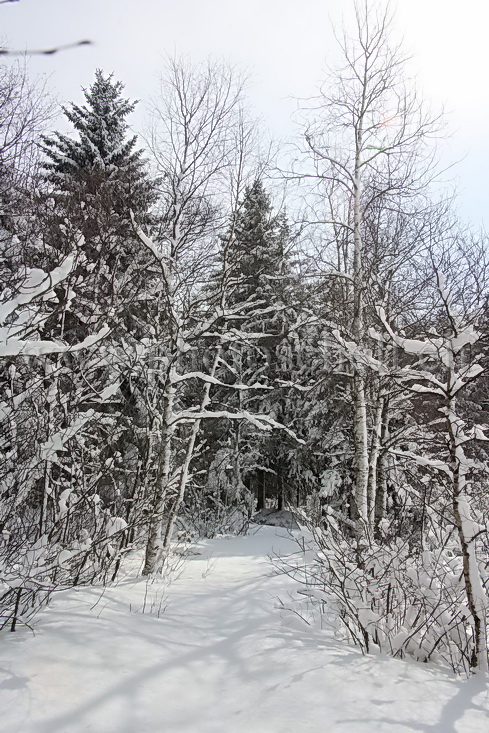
196, 325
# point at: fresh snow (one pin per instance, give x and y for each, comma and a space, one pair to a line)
12, 346
36, 283
215, 651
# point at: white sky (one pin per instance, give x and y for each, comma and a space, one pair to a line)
285, 44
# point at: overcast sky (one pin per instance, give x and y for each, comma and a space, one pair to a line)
285, 44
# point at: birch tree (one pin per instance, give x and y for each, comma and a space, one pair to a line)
446, 363
25, 110
368, 139
198, 140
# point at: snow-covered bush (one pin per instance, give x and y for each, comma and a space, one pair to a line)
75, 549
397, 598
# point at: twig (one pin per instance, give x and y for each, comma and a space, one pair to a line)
42, 51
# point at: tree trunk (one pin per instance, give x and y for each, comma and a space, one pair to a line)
361, 459
189, 453
154, 543
375, 446
358, 328
466, 528
280, 489
474, 590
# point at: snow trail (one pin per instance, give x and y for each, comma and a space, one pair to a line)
214, 652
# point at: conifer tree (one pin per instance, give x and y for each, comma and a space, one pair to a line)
97, 182
258, 271
103, 159
257, 254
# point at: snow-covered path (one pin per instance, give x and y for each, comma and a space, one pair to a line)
214, 653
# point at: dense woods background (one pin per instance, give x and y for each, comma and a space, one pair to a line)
191, 332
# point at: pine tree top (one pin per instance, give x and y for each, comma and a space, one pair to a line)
260, 235
254, 258
101, 151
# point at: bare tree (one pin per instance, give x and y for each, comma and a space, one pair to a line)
25, 110
446, 363
199, 141
368, 141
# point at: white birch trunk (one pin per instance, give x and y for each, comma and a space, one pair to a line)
477, 600
375, 447
189, 453
382, 471
154, 543
359, 398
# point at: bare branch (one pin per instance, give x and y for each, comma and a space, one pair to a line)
42, 51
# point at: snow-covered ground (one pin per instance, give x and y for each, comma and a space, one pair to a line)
214, 652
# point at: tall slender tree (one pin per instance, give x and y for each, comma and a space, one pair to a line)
370, 142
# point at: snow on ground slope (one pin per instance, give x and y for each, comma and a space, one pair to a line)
214, 653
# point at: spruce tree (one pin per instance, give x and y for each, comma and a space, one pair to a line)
256, 266
96, 180
102, 160
257, 257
